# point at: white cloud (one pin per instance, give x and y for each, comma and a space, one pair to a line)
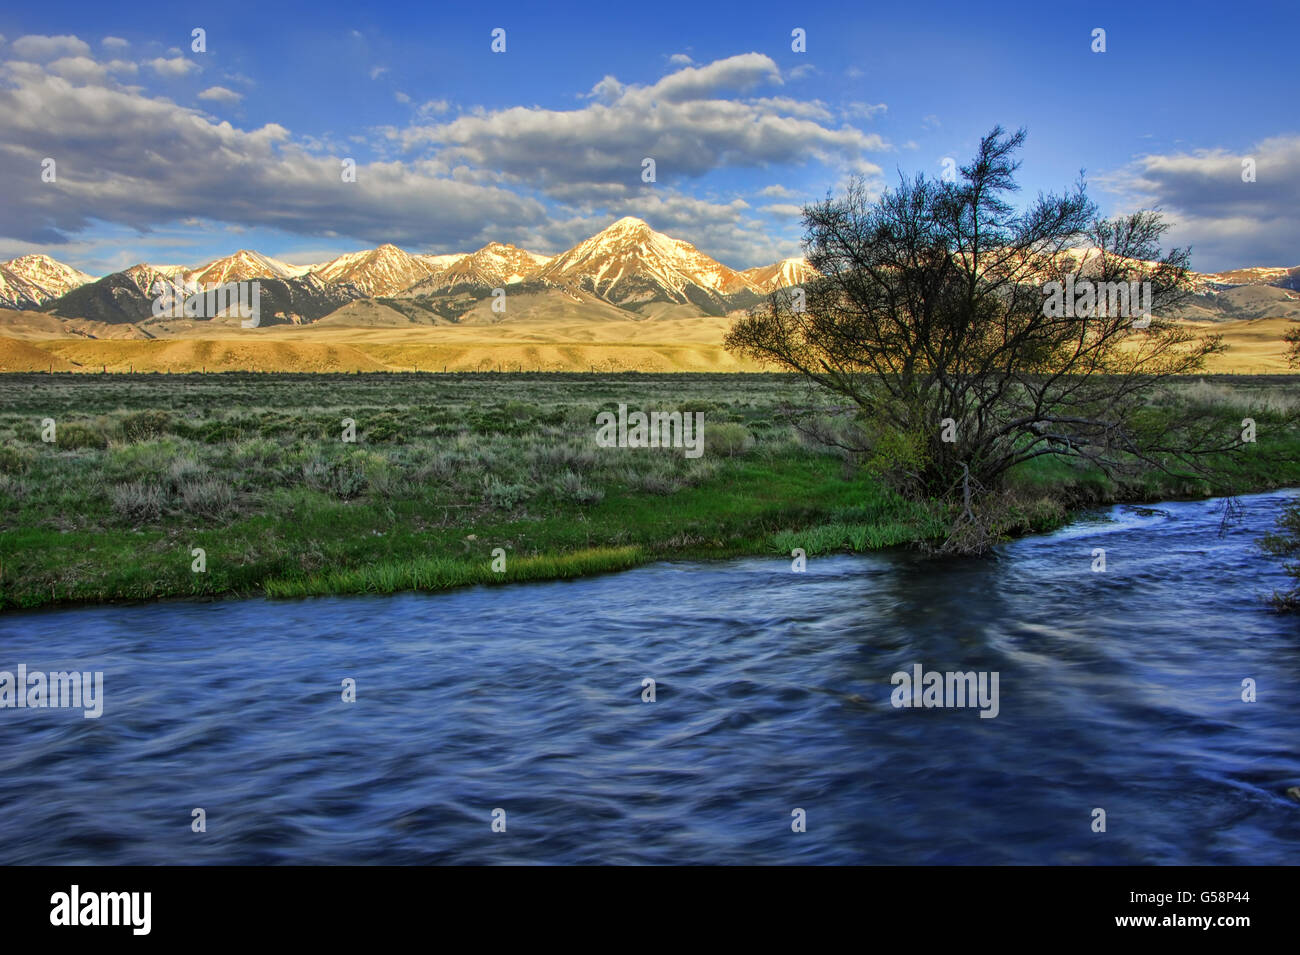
865, 110
680, 59
1229, 223
685, 122
377, 71
34, 47
401, 97
114, 43
144, 162
607, 90
434, 107
219, 94
78, 69
173, 68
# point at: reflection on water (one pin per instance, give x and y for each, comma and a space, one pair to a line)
1118, 690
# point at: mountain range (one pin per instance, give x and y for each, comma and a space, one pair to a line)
627, 271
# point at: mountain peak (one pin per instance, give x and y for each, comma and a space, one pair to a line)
628, 224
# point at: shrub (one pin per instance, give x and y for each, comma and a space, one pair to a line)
502, 496
571, 487
138, 502
342, 479
206, 497
256, 460
13, 460
134, 462
727, 439
74, 434
185, 470
145, 425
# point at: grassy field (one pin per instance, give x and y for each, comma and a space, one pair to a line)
447, 468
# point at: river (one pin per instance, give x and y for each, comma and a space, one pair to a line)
1119, 690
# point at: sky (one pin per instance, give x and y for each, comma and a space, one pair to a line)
170, 155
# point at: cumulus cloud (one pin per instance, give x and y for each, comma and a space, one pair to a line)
219, 94
142, 162
172, 68
78, 69
42, 48
690, 122
114, 43
1228, 222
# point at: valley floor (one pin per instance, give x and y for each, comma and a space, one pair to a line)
37, 342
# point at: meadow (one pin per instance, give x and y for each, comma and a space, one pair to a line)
450, 472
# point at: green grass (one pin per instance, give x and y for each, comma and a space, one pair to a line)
447, 468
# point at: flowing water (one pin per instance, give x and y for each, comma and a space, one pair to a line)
1118, 690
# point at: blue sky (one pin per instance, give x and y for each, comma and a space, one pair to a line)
168, 155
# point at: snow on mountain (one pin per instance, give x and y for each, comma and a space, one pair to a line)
495, 265
440, 263
18, 292
172, 272
242, 266
143, 277
631, 264
380, 271
1261, 275
52, 276
30, 281
783, 274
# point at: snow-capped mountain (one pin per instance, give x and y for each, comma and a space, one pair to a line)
245, 265
118, 297
381, 271
1276, 277
439, 263
30, 281
18, 292
173, 272
631, 264
495, 265
783, 274
128, 297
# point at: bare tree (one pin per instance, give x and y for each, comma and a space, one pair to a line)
936, 316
